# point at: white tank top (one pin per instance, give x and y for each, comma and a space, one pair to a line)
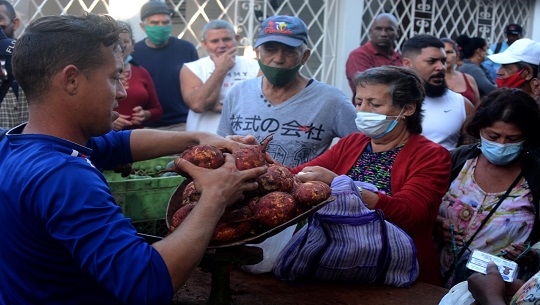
443, 118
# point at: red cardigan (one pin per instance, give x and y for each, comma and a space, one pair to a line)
419, 179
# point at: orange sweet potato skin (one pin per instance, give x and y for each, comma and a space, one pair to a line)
311, 193
276, 179
275, 208
280, 197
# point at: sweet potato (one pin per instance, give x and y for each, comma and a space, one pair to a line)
202, 155
252, 156
229, 227
311, 193
275, 208
190, 194
180, 215
277, 178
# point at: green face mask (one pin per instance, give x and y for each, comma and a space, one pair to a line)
158, 34
278, 76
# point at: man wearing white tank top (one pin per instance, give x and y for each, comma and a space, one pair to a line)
445, 112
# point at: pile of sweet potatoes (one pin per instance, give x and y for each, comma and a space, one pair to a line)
280, 196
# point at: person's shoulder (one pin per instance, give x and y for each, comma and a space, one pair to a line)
453, 95
419, 140
328, 90
246, 59
181, 42
362, 49
203, 61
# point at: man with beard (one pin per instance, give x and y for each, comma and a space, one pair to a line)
445, 111
378, 51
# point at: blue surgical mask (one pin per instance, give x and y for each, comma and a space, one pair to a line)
500, 154
375, 125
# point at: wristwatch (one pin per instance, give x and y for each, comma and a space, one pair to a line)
360, 190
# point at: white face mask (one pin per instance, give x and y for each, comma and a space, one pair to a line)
375, 125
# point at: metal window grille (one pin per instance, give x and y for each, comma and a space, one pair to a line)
442, 18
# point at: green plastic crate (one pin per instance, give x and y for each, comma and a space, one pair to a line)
144, 198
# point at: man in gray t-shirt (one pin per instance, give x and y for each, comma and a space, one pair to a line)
303, 114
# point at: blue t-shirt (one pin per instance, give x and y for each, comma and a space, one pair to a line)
64, 240
164, 66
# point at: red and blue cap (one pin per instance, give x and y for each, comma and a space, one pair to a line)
288, 30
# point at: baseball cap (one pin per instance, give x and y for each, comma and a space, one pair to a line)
153, 7
524, 49
288, 30
6, 44
514, 29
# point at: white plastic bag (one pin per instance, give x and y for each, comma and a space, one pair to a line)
271, 246
458, 295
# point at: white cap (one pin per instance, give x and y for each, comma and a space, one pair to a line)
524, 49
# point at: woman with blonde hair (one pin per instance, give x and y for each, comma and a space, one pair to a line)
457, 81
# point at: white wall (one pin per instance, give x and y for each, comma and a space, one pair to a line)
128, 10
535, 29
350, 23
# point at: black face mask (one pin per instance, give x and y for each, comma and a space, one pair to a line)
278, 76
435, 91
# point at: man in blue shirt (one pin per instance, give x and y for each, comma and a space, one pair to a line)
163, 56
64, 240
513, 32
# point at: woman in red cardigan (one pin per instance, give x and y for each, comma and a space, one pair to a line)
142, 103
411, 172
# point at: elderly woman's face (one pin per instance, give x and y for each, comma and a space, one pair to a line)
375, 98
502, 133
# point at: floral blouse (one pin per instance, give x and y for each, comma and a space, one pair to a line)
375, 168
529, 293
467, 203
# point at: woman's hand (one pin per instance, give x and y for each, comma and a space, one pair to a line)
527, 259
443, 230
311, 173
122, 122
139, 115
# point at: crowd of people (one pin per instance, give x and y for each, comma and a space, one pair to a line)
451, 151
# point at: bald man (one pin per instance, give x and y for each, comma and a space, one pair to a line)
378, 51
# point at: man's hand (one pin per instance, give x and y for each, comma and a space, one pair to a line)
225, 184
488, 289
225, 61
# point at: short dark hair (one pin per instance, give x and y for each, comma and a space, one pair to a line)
10, 9
51, 43
469, 45
405, 86
510, 105
414, 46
